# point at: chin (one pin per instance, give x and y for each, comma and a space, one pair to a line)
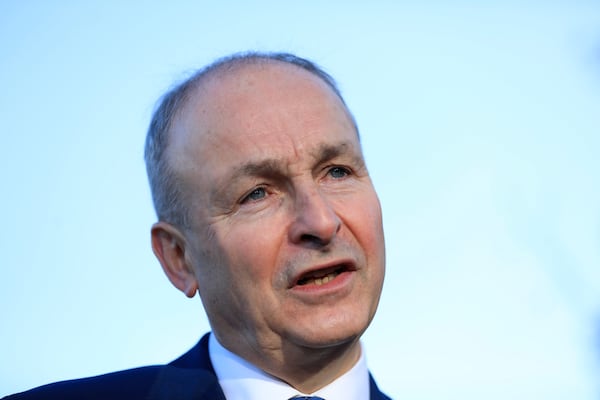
331, 334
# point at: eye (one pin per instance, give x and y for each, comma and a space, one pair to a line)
255, 195
338, 172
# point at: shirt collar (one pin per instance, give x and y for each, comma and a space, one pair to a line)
241, 380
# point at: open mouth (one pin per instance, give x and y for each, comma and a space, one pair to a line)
321, 277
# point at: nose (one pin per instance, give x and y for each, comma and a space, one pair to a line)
315, 221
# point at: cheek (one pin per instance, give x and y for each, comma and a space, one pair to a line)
364, 219
237, 269
252, 250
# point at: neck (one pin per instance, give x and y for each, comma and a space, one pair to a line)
304, 368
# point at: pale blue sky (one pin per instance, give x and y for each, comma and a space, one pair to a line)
481, 128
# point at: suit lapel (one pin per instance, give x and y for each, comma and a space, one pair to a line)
375, 393
190, 377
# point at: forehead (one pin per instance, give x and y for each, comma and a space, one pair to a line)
270, 110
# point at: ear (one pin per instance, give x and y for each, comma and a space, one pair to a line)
169, 246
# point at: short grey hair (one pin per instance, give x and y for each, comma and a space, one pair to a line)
166, 187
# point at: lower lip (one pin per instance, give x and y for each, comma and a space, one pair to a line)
337, 284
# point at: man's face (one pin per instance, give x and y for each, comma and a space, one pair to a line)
286, 241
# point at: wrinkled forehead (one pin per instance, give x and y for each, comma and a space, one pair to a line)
251, 102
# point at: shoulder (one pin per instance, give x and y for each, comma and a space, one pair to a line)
148, 383
190, 376
132, 383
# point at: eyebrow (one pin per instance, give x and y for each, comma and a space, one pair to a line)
327, 152
271, 168
268, 167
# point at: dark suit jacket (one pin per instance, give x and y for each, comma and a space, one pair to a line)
190, 377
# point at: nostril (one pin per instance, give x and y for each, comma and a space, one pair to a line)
314, 240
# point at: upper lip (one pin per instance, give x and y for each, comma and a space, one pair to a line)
324, 269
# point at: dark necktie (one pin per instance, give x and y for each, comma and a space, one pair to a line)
306, 398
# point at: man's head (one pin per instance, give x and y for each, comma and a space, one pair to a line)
282, 234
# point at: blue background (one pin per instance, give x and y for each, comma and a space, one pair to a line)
481, 128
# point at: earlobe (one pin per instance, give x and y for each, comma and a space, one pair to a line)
169, 247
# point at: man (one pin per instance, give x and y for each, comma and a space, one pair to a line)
266, 209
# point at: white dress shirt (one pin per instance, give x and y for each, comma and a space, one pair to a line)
241, 380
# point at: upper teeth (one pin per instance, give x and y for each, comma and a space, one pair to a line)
319, 281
